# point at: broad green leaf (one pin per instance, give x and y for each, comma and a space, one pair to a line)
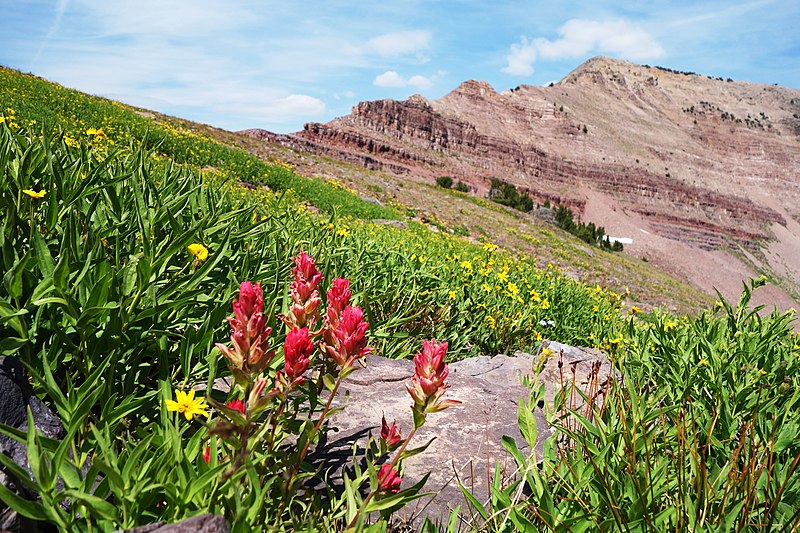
27, 508
43, 257
13, 278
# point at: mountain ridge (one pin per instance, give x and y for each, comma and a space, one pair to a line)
690, 167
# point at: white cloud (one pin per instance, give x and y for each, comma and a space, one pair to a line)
619, 37
521, 58
294, 105
400, 43
580, 37
390, 78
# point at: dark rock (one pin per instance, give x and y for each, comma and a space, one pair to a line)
17, 396
207, 523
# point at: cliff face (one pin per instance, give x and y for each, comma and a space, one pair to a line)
697, 160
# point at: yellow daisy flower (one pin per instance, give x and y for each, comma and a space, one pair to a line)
199, 251
35, 195
188, 404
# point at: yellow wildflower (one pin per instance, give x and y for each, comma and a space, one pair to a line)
188, 404
35, 195
199, 251
503, 275
451, 295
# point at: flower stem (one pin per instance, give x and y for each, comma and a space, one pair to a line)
392, 465
307, 444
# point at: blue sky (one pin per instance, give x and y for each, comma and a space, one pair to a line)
276, 65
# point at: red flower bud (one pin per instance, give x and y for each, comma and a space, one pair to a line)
390, 434
237, 405
306, 277
347, 341
305, 298
428, 384
339, 296
296, 351
249, 303
249, 332
207, 454
388, 479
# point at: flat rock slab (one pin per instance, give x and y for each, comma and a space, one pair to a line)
466, 442
467, 438
206, 523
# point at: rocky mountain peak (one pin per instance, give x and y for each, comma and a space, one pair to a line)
474, 88
675, 160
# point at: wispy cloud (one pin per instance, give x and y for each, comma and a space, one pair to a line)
61, 7
239, 63
400, 43
578, 38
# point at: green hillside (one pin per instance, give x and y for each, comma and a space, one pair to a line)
125, 238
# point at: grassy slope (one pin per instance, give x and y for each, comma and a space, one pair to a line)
412, 283
647, 285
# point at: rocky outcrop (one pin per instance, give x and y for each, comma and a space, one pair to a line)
701, 160
466, 441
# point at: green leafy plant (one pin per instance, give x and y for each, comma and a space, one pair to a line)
698, 432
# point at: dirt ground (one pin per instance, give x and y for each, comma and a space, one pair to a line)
706, 270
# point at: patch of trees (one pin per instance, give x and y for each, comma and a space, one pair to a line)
665, 69
446, 182
588, 233
505, 193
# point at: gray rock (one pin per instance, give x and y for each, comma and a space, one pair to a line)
370, 199
207, 523
467, 438
400, 224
